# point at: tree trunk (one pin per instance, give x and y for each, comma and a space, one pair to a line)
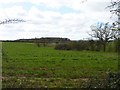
119, 37
104, 46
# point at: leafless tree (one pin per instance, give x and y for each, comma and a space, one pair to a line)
104, 33
114, 6
115, 9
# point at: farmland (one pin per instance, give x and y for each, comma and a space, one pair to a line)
26, 65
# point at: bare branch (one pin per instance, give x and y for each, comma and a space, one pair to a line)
103, 32
7, 21
113, 4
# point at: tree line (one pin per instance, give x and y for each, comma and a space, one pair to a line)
103, 35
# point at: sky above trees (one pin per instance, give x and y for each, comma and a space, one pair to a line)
52, 18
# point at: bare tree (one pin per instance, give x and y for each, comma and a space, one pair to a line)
104, 33
114, 6
115, 9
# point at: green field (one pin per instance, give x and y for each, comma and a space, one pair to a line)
26, 65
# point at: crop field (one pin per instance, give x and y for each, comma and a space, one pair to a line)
26, 65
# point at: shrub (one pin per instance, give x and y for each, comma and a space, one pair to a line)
86, 45
63, 47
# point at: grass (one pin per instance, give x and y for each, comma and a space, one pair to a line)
46, 67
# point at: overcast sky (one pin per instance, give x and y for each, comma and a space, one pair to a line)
52, 18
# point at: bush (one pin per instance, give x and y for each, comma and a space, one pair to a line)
62, 47
86, 45
72, 46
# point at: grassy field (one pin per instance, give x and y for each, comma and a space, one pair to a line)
26, 65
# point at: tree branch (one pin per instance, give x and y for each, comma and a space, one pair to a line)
6, 21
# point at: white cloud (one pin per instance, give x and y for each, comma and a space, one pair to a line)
41, 23
12, 1
52, 3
